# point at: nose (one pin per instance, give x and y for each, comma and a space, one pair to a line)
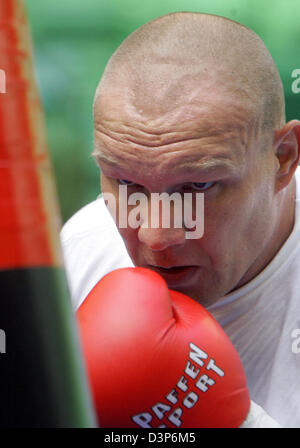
161, 224
159, 239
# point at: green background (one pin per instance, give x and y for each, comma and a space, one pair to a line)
73, 40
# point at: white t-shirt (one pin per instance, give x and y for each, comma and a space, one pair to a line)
262, 318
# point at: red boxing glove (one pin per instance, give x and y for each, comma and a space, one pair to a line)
156, 358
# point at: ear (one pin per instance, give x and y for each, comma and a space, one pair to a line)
287, 151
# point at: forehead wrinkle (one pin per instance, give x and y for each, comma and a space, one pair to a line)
205, 163
191, 149
196, 163
189, 121
195, 153
209, 134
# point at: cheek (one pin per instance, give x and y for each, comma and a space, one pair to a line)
131, 242
105, 184
129, 235
110, 192
226, 223
238, 227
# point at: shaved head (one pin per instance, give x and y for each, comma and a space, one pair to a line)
194, 103
162, 64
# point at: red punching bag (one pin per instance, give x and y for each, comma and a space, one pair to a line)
42, 381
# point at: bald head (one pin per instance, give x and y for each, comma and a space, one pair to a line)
190, 103
164, 63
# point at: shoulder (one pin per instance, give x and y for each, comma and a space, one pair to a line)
92, 247
92, 217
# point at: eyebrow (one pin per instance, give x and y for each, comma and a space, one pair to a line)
222, 164
100, 157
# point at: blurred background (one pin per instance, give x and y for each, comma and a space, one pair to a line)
73, 40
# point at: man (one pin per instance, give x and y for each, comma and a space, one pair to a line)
194, 103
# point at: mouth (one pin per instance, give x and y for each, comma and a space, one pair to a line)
175, 275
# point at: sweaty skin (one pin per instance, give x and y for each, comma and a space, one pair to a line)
194, 103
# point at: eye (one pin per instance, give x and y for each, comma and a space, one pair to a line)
201, 186
126, 182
